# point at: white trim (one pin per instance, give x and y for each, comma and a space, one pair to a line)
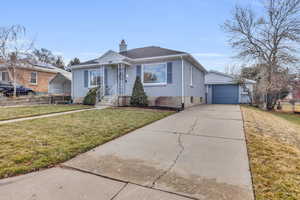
98, 64
191, 76
1, 75
153, 84
36, 78
182, 80
89, 77
157, 57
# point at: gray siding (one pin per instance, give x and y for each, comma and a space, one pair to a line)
173, 89
198, 88
79, 90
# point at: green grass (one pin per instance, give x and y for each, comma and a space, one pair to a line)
292, 117
29, 145
7, 113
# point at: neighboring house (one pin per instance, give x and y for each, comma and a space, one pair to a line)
222, 88
294, 90
34, 76
170, 78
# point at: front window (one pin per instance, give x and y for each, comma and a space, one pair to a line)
33, 78
155, 73
94, 78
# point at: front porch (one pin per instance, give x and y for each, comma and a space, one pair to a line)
111, 83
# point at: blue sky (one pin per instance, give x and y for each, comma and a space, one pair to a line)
86, 29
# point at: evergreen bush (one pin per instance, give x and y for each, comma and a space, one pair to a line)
90, 98
138, 97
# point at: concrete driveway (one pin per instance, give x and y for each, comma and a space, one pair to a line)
199, 153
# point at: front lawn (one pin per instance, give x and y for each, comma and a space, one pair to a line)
273, 141
7, 113
29, 145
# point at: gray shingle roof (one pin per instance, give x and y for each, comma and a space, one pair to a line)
151, 51
89, 62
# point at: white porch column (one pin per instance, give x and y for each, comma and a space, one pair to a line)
103, 79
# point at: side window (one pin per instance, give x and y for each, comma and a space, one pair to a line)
4, 76
33, 78
191, 75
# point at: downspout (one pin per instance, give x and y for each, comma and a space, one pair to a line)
182, 84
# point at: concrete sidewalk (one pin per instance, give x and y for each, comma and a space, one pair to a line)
199, 153
49, 115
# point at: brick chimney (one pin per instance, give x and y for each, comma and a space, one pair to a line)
122, 46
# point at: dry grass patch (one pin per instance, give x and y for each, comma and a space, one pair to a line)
29, 145
7, 113
274, 147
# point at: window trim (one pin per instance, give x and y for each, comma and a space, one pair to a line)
89, 77
36, 78
153, 84
1, 75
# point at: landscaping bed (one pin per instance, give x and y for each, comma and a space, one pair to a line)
30, 145
7, 113
273, 141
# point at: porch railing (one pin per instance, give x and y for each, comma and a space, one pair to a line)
99, 93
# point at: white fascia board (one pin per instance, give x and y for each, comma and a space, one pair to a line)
221, 83
97, 64
156, 58
197, 63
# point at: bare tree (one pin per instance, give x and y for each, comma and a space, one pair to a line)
232, 69
15, 50
271, 40
44, 55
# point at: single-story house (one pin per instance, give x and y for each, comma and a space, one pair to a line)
222, 88
36, 76
170, 78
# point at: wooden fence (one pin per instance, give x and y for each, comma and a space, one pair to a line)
290, 106
34, 100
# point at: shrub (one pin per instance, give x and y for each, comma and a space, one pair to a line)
90, 98
138, 97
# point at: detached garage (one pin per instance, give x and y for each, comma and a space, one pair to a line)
221, 88
61, 84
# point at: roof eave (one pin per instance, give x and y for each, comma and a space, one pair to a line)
97, 64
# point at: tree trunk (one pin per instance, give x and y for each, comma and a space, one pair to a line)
15, 84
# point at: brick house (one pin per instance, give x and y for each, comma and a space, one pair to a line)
34, 76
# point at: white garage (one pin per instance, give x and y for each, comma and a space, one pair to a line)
61, 84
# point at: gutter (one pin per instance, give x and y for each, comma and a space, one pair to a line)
97, 64
157, 57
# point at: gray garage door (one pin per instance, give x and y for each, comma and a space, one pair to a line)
225, 94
